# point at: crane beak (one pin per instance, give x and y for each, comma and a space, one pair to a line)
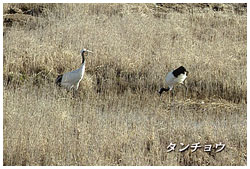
89, 51
85, 50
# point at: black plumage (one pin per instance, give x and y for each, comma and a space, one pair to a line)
179, 70
59, 80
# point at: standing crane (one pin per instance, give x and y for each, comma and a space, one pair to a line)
72, 79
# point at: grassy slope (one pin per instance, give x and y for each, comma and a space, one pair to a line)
117, 118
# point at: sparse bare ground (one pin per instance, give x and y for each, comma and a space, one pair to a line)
117, 117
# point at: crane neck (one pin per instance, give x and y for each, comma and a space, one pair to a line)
83, 58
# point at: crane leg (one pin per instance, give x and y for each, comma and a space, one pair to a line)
75, 93
186, 89
172, 94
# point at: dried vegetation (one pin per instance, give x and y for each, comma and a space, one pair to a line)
117, 117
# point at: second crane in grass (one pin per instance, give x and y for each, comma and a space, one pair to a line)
174, 77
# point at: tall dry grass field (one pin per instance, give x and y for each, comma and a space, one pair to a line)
117, 117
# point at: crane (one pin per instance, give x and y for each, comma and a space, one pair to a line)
72, 79
174, 77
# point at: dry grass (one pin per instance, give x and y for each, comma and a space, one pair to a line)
118, 118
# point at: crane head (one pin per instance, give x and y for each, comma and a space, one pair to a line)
85, 50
